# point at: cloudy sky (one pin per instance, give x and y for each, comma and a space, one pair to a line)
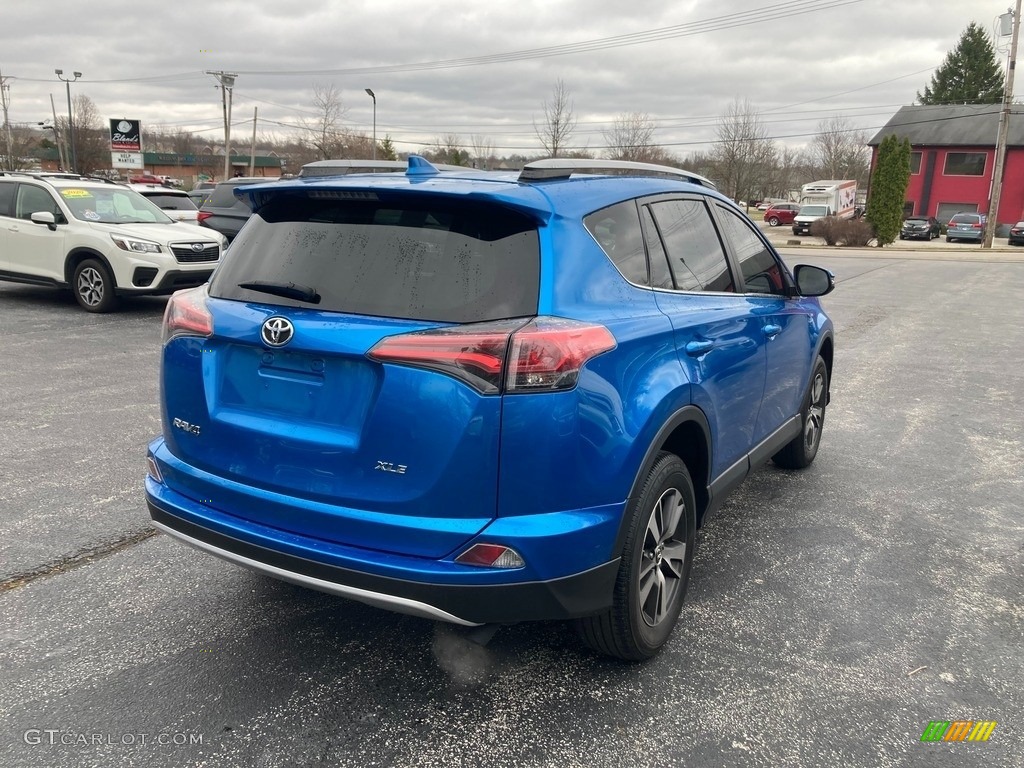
485, 67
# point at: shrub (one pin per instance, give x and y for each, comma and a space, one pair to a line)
825, 228
852, 233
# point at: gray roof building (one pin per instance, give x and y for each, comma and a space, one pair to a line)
957, 125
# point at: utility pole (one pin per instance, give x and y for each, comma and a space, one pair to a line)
61, 151
227, 84
252, 150
1004, 127
5, 93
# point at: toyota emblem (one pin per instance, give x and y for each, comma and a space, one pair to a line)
277, 331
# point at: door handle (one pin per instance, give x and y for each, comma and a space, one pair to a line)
698, 348
771, 330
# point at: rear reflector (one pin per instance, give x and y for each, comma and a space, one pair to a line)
544, 354
153, 470
491, 556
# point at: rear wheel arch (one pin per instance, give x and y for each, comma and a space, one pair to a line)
687, 435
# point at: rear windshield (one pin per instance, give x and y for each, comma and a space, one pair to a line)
965, 218
414, 258
170, 202
224, 197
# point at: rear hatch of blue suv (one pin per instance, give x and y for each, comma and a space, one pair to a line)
333, 404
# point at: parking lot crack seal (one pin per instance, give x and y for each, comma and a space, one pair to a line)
82, 557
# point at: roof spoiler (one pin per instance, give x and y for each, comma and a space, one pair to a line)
563, 168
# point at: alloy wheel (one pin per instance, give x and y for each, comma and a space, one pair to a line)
815, 413
90, 286
662, 562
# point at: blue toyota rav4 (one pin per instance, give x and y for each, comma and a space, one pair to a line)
487, 398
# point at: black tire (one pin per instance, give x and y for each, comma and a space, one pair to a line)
949, 239
773, 221
801, 450
93, 286
655, 567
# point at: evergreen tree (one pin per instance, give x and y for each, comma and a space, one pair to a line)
970, 74
889, 188
386, 149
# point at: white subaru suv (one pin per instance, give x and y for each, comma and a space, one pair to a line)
101, 240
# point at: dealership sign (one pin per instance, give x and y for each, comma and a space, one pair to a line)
126, 160
125, 136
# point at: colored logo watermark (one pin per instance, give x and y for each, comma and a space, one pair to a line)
958, 730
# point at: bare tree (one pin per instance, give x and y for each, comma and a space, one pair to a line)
483, 151
448, 149
559, 122
631, 138
744, 152
24, 142
92, 144
325, 134
840, 151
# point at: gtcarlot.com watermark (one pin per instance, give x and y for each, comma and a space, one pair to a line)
58, 736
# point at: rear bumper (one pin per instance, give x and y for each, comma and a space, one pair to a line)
572, 596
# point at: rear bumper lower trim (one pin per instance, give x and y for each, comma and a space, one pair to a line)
580, 594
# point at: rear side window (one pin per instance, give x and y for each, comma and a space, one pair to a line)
414, 258
694, 251
617, 229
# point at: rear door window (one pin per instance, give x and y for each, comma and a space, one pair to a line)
695, 253
7, 199
414, 258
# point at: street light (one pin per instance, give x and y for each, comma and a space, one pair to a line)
71, 121
370, 93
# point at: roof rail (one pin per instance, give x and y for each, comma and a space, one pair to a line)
345, 167
563, 168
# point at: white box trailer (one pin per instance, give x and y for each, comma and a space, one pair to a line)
840, 196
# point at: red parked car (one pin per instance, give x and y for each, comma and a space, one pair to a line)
781, 213
146, 178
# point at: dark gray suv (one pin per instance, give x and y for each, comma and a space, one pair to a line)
223, 211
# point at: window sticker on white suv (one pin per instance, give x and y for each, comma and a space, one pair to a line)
76, 193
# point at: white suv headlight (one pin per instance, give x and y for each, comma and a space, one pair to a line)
138, 246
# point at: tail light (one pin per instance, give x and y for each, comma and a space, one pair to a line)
545, 354
203, 216
187, 315
977, 226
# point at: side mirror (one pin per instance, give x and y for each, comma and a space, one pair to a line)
813, 281
45, 217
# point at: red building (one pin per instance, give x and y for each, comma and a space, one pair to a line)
953, 155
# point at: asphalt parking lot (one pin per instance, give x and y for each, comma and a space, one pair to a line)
833, 612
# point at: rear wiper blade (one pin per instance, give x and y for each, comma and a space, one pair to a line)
287, 290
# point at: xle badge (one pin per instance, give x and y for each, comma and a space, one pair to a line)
387, 466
